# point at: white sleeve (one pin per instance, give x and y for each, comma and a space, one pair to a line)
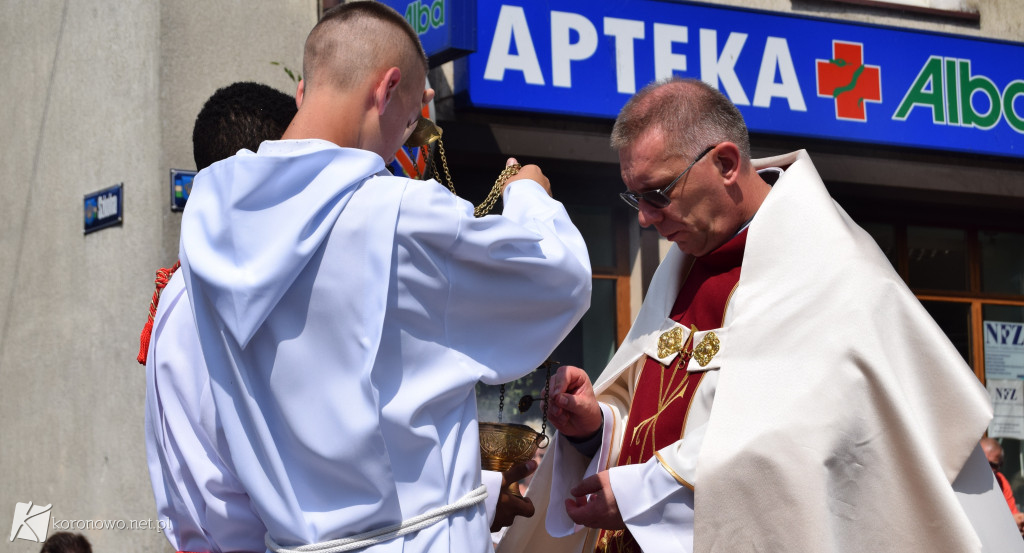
520, 281
201, 506
657, 510
491, 479
569, 468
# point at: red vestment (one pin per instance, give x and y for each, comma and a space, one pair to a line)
657, 414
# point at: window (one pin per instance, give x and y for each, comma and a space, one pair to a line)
593, 341
960, 9
965, 277
591, 344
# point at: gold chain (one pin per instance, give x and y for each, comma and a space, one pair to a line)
444, 163
487, 205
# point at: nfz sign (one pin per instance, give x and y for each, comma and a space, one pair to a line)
1004, 350
788, 75
447, 28
103, 208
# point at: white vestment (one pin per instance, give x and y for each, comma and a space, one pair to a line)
200, 502
345, 316
835, 417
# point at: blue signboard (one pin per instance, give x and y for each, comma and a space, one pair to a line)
789, 75
181, 187
447, 28
104, 208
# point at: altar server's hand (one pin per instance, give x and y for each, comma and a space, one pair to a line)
595, 506
531, 172
573, 409
510, 506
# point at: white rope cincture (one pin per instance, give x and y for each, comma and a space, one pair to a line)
381, 535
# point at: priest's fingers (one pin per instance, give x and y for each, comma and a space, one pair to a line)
584, 511
570, 380
559, 380
576, 380
571, 403
598, 509
533, 173
574, 416
587, 486
573, 409
518, 472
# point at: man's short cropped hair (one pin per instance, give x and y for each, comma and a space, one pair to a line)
241, 115
692, 114
354, 40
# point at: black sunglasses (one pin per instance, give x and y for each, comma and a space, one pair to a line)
659, 197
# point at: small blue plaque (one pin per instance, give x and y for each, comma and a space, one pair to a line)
181, 188
104, 208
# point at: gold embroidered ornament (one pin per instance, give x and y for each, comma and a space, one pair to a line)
706, 349
670, 342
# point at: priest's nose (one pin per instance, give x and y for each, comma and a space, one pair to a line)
647, 215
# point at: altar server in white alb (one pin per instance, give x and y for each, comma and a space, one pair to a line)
345, 315
781, 389
199, 502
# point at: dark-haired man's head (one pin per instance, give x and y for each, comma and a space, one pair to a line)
66, 542
241, 115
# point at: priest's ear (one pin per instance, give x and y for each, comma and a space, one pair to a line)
727, 159
299, 93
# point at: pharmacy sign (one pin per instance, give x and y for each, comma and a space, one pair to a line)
789, 75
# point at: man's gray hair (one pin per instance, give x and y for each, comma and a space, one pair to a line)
692, 114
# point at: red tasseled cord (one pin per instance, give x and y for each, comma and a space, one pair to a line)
163, 276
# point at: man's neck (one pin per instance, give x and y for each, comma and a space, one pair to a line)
332, 117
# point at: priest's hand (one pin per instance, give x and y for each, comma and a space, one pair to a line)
510, 506
594, 505
573, 409
531, 172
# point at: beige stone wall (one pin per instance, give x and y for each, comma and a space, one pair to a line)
99, 93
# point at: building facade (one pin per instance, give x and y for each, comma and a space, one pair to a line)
98, 94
